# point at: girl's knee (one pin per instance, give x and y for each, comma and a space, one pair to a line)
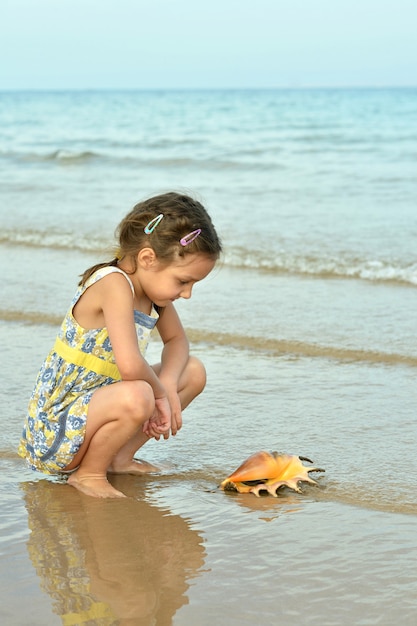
196, 374
138, 400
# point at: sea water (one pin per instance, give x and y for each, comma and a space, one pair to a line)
307, 327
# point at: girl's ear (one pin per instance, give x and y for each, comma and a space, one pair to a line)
146, 258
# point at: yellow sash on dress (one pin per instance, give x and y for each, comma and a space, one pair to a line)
89, 361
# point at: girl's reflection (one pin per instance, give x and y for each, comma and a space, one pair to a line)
109, 561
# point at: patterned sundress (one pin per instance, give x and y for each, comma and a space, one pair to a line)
80, 362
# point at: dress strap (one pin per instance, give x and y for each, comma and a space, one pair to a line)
105, 271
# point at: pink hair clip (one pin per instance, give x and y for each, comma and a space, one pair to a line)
149, 228
184, 241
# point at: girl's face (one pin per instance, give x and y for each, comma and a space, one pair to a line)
165, 283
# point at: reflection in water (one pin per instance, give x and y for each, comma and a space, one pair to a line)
109, 561
267, 508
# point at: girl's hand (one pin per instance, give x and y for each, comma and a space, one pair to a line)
160, 422
176, 413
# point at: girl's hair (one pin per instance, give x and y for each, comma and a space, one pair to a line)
182, 216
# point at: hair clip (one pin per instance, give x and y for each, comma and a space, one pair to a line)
149, 228
184, 241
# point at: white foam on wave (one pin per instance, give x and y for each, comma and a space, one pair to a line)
324, 266
315, 265
58, 240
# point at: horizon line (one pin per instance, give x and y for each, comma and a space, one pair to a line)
242, 88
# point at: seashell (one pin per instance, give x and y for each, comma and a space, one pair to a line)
265, 471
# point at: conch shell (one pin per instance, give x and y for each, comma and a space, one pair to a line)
265, 471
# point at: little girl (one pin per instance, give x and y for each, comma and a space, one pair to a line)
96, 400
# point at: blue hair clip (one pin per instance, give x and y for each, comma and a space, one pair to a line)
149, 228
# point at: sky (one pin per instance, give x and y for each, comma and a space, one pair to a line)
206, 44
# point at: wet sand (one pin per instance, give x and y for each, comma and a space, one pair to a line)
180, 552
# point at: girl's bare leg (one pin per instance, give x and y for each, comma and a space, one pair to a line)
192, 380
116, 415
191, 384
124, 463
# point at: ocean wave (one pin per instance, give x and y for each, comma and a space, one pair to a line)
325, 266
59, 156
267, 345
72, 156
55, 240
144, 158
343, 265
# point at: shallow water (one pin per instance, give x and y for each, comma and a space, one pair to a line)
341, 552
307, 330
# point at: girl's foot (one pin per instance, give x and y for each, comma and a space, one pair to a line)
94, 485
136, 466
